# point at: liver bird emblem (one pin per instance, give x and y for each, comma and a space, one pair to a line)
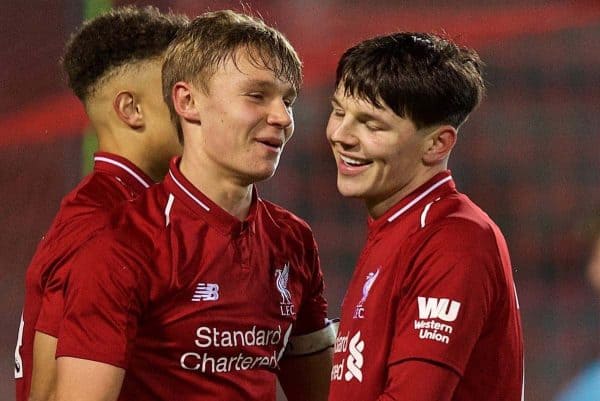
368, 284
281, 280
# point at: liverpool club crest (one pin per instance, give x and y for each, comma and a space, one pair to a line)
281, 281
359, 311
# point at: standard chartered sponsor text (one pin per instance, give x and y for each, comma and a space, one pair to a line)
213, 338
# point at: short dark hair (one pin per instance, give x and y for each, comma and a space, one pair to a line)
215, 37
119, 37
420, 76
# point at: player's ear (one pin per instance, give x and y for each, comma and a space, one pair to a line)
439, 144
128, 109
184, 102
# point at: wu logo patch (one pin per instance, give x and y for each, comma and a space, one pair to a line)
438, 308
281, 281
359, 311
206, 292
355, 360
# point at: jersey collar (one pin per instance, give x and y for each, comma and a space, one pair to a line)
437, 186
122, 169
201, 205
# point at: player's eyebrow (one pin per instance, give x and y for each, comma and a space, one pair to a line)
333, 99
361, 115
263, 84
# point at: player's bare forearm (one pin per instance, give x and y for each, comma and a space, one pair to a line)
85, 380
43, 376
306, 378
416, 380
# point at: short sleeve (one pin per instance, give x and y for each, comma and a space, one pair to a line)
103, 302
53, 260
447, 296
51, 310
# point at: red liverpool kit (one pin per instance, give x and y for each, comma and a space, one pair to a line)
192, 302
433, 283
83, 212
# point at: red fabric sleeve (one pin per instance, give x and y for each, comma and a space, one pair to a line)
446, 297
51, 311
103, 302
65, 239
415, 380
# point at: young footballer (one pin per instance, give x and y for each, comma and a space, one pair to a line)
113, 64
205, 291
431, 311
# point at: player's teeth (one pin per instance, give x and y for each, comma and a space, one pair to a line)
352, 162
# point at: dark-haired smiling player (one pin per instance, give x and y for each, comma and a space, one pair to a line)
431, 312
113, 65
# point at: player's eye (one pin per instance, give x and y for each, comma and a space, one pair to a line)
336, 111
373, 127
256, 95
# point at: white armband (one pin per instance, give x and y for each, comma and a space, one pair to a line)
314, 342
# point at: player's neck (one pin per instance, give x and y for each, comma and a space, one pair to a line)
133, 152
232, 196
378, 206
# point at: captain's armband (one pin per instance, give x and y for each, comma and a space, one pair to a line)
315, 342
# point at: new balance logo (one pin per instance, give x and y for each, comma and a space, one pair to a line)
438, 308
206, 292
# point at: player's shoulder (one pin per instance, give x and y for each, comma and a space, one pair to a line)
455, 219
95, 192
138, 222
84, 209
122, 237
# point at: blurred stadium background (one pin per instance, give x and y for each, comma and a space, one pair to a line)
530, 156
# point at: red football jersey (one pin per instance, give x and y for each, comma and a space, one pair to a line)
83, 212
433, 283
192, 302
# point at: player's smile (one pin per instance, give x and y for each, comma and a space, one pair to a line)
272, 144
378, 154
352, 165
251, 120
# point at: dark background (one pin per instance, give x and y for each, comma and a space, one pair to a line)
529, 155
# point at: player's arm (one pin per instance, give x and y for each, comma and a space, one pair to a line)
102, 305
446, 275
306, 377
82, 379
416, 380
305, 369
306, 365
43, 377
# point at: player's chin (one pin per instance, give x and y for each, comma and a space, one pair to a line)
263, 173
349, 189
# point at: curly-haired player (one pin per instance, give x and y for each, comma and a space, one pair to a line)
113, 64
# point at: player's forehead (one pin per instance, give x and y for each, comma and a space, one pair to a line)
353, 102
251, 69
